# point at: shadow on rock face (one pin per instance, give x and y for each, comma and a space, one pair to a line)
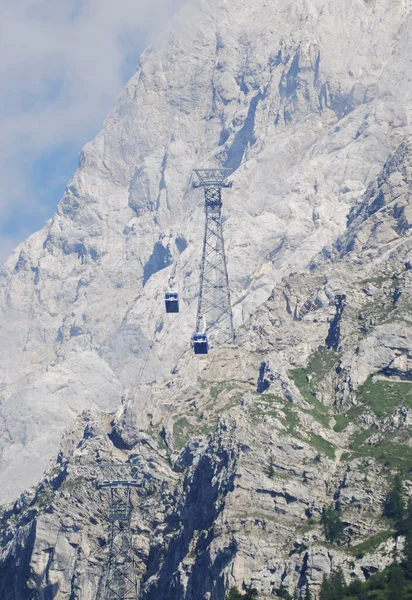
50, 591
204, 500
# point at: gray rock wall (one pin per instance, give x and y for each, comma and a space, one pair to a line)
305, 101
310, 104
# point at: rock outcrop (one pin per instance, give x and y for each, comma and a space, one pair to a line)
305, 102
240, 450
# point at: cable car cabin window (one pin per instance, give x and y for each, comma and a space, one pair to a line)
200, 344
172, 302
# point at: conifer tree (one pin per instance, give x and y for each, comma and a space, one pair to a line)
395, 504
396, 589
333, 587
270, 469
251, 593
332, 524
325, 590
233, 594
355, 588
283, 593
408, 539
308, 595
337, 584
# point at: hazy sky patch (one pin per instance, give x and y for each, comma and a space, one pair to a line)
61, 66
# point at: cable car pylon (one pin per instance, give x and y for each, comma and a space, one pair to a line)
120, 579
214, 320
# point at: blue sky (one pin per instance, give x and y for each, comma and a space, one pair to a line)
62, 64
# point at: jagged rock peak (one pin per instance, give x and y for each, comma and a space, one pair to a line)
306, 102
383, 216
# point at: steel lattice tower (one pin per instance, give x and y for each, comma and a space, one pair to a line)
214, 313
120, 580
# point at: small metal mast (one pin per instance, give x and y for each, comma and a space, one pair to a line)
120, 580
214, 313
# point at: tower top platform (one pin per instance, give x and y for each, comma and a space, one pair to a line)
212, 178
119, 475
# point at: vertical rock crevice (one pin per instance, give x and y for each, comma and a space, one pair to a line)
160, 258
333, 338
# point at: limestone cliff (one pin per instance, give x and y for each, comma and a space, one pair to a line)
309, 104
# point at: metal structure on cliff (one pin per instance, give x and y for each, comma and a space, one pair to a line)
214, 313
120, 580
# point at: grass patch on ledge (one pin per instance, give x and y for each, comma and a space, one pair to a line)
300, 379
265, 404
381, 312
321, 363
322, 445
193, 424
397, 457
181, 432
341, 422
218, 388
378, 281
184, 430
309, 526
204, 419
371, 544
307, 380
383, 396
360, 438
316, 441
320, 412
366, 547
392, 454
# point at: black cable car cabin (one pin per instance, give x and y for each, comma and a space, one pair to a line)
199, 343
172, 302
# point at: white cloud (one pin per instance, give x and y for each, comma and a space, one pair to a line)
61, 65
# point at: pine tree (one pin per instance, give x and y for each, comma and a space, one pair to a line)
333, 587
271, 470
251, 593
408, 539
395, 504
332, 524
282, 593
325, 590
308, 595
233, 594
396, 589
355, 588
337, 584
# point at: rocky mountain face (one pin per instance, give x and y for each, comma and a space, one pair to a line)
309, 104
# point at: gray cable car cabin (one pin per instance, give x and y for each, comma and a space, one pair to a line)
199, 343
172, 302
